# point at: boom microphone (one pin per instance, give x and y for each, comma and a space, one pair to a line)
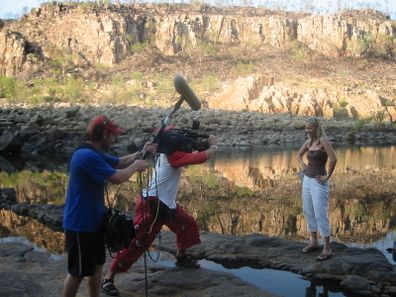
186, 92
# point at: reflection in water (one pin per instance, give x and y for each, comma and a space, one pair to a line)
36, 232
311, 291
278, 212
362, 203
256, 168
257, 191
270, 280
244, 192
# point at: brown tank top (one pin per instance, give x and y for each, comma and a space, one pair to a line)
316, 163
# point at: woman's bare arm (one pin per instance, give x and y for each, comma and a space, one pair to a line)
332, 156
300, 154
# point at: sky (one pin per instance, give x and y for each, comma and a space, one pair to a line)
14, 8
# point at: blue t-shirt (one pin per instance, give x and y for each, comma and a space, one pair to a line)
84, 207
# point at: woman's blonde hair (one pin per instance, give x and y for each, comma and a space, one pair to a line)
315, 122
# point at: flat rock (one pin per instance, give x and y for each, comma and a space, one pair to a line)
30, 272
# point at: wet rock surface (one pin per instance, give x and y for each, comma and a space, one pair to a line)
30, 272
361, 271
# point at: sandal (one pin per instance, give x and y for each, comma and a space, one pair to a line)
187, 261
310, 248
108, 288
322, 256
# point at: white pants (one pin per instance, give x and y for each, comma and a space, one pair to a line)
316, 205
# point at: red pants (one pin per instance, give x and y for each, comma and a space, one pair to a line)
181, 223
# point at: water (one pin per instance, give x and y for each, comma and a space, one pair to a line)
266, 279
282, 161
362, 223
383, 245
273, 281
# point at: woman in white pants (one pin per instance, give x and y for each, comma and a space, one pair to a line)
315, 190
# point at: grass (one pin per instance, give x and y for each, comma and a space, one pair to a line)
51, 184
358, 47
298, 51
119, 92
14, 91
43, 90
73, 88
124, 88
378, 118
384, 46
8, 86
360, 123
243, 68
139, 47
136, 75
101, 68
343, 102
61, 60
381, 46
209, 83
208, 47
236, 52
303, 83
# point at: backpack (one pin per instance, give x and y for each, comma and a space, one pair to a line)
119, 230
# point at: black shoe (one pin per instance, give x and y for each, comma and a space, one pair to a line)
108, 288
187, 261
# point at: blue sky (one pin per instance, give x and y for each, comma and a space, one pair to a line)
15, 7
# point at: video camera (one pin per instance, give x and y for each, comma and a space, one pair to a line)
170, 140
183, 140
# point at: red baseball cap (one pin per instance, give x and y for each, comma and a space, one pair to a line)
107, 124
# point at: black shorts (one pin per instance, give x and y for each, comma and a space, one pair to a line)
85, 250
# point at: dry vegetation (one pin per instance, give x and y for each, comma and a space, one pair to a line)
145, 78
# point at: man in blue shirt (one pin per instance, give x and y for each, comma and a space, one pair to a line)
90, 169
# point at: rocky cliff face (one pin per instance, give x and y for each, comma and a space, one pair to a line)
346, 33
259, 93
107, 35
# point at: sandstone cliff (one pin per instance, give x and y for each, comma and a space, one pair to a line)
261, 94
293, 63
106, 35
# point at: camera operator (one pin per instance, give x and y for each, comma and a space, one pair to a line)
90, 168
158, 207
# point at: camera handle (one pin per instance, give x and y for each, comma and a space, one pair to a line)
175, 108
164, 123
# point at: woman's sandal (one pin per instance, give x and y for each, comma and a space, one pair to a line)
310, 248
322, 256
187, 261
